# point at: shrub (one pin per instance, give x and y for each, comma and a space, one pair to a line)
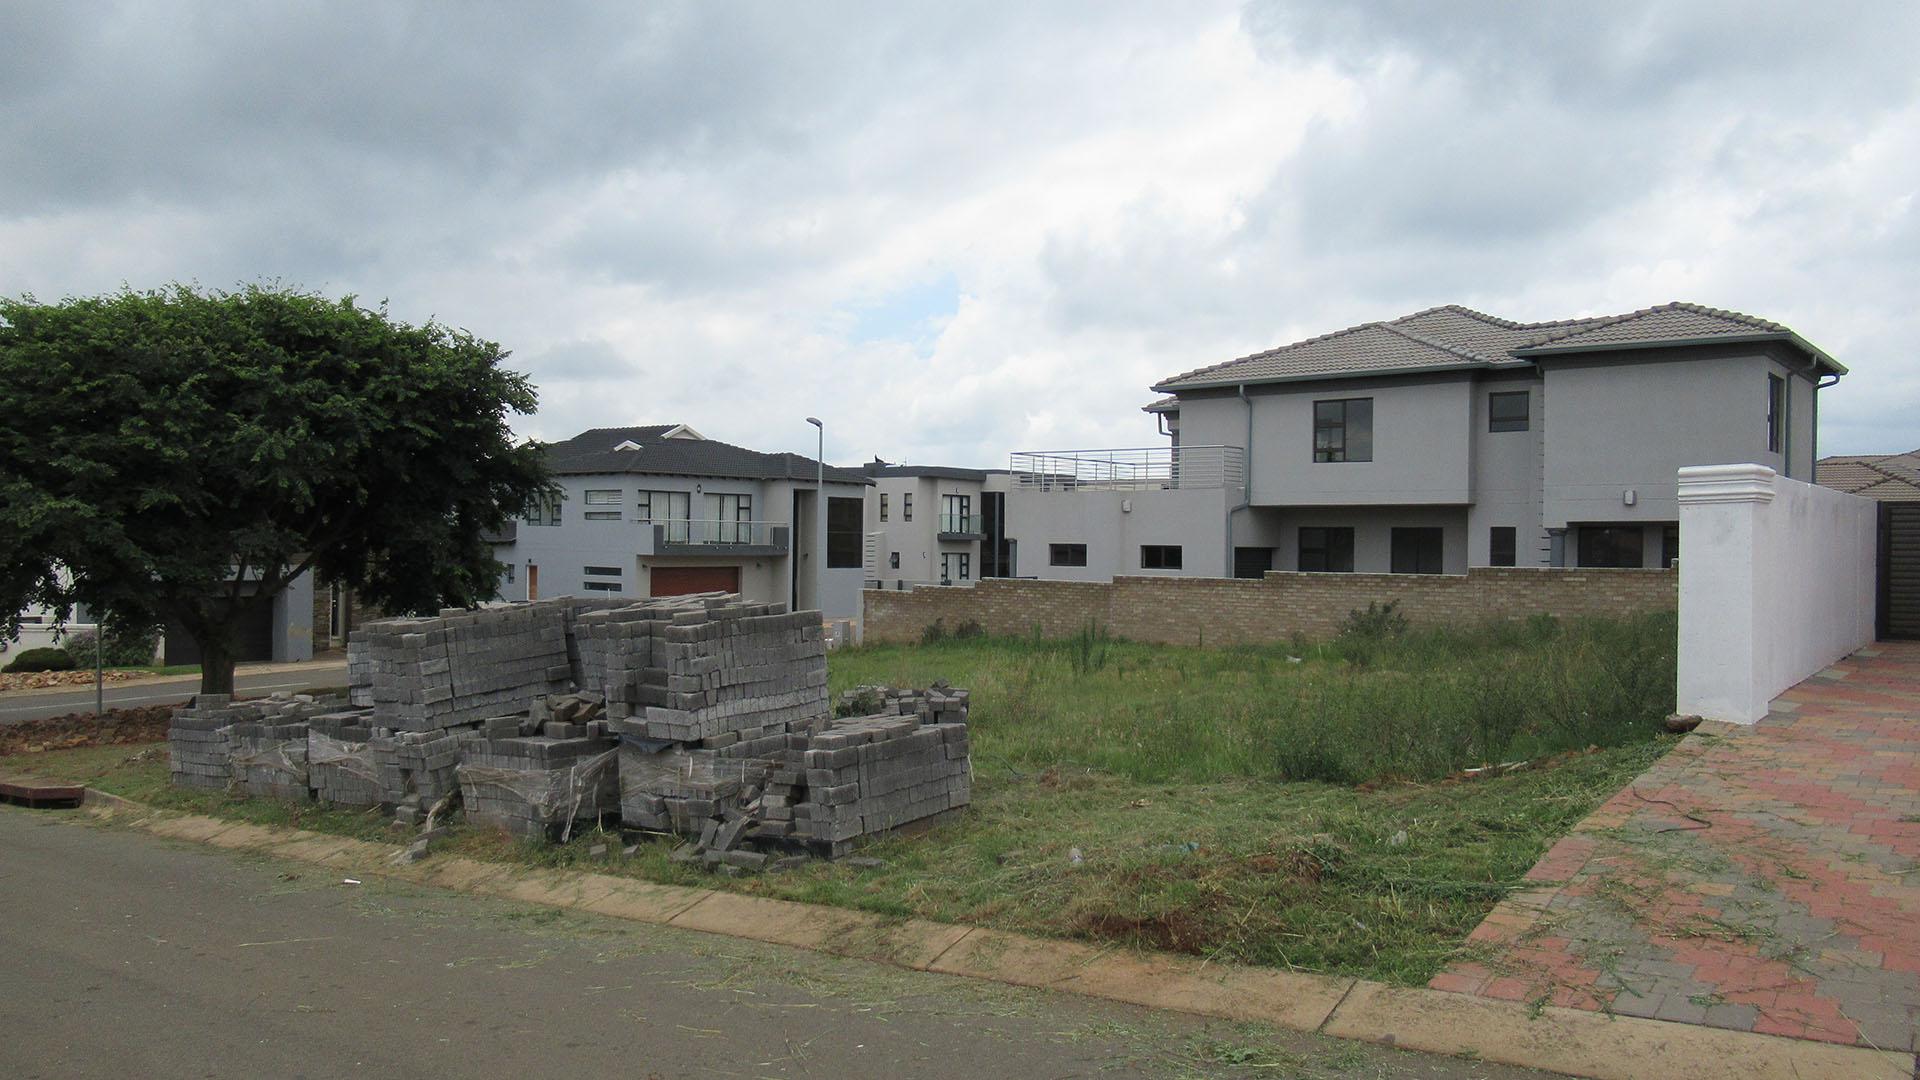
121, 647
41, 660
1089, 648
935, 633
969, 630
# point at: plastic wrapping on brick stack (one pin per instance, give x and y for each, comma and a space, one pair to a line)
270, 759
340, 763
537, 787
203, 742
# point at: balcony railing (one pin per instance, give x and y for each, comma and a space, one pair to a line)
1146, 468
718, 536
960, 525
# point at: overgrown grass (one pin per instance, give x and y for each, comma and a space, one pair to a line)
1415, 705
1193, 782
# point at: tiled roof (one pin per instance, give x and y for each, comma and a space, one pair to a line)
1886, 477
1165, 404
592, 452
1453, 337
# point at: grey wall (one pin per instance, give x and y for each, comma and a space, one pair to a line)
1372, 533
1507, 470
1632, 419
1193, 518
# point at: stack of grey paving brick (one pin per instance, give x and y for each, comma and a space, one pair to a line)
537, 787
869, 775
940, 703
731, 669
359, 672
461, 667
340, 760
197, 748
416, 769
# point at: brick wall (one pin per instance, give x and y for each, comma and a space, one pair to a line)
1228, 611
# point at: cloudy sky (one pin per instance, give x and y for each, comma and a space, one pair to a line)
955, 230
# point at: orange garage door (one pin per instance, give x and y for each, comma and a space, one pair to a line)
681, 580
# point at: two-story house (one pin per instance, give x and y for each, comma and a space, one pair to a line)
932, 524
1427, 444
664, 511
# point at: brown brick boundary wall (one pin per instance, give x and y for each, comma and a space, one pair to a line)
1228, 611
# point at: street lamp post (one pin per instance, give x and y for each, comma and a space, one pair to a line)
820, 459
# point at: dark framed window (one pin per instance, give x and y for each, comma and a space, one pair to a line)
906, 506
1507, 410
600, 571
546, 510
604, 498
883, 506
1343, 430
1776, 411
601, 586
1418, 551
1502, 544
1326, 550
1669, 545
1066, 554
1612, 545
893, 561
956, 566
1159, 556
843, 534
1252, 562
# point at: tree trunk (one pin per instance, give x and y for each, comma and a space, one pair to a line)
216, 660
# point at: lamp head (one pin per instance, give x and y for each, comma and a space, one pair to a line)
816, 423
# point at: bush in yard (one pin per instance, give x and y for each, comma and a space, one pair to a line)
40, 660
120, 648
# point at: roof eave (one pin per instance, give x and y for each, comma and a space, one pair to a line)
1369, 373
1820, 358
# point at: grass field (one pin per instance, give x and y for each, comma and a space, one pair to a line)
1233, 803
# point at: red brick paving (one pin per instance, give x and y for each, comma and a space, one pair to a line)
1763, 879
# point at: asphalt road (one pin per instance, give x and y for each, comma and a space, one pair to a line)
122, 954
36, 705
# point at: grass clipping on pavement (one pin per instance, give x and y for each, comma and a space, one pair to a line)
1302, 806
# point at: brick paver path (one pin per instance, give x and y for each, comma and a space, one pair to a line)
1764, 879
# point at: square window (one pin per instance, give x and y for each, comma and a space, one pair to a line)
1611, 545
1507, 410
1417, 551
1326, 550
1160, 556
1343, 430
1502, 542
1067, 554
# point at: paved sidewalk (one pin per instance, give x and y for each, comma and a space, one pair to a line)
1763, 879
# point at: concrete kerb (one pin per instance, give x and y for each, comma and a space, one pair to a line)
1569, 1041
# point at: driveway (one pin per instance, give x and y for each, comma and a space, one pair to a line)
17, 705
1763, 879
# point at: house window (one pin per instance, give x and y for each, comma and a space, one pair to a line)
1501, 545
1417, 551
906, 506
1611, 545
1324, 550
1507, 410
883, 506
670, 509
1669, 545
893, 561
1343, 430
956, 566
956, 514
732, 518
546, 510
509, 581
604, 497
843, 533
600, 586
1159, 556
1776, 411
1067, 554
600, 571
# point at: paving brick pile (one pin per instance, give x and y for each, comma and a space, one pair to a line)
537, 787
940, 703
416, 769
340, 760
197, 751
869, 775
217, 742
462, 667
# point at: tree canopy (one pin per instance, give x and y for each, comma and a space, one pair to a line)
187, 453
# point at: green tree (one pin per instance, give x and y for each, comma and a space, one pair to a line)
188, 453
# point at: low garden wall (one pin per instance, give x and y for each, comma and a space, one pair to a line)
1232, 611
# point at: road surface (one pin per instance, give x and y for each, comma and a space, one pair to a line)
34, 704
122, 954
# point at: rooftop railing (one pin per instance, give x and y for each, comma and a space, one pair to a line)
717, 534
1145, 468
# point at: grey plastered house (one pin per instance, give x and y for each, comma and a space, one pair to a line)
1436, 441
662, 510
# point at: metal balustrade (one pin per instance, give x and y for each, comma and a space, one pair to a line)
717, 534
1146, 468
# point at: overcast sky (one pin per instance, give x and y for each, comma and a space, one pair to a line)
955, 230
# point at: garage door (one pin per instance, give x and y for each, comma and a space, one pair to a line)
681, 580
1900, 570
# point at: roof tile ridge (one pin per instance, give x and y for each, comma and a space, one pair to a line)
1728, 313
1429, 342
1462, 309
